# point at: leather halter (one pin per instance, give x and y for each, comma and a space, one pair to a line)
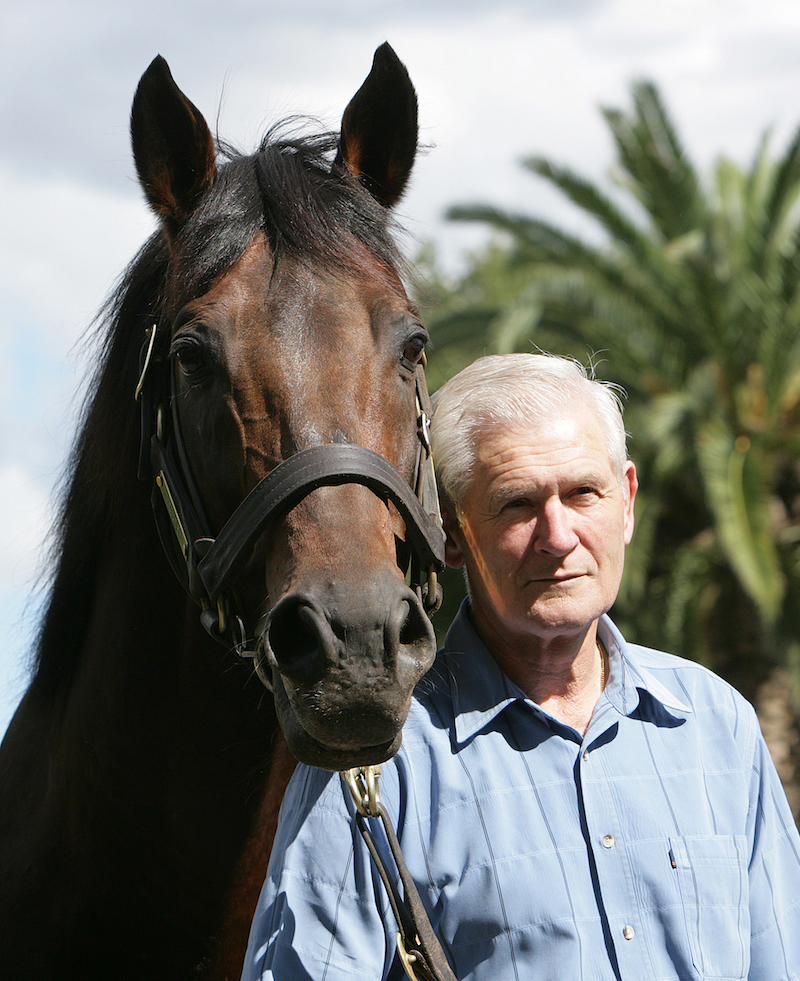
208, 566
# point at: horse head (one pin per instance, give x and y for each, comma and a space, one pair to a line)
283, 346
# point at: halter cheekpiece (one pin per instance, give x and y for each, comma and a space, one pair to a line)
208, 566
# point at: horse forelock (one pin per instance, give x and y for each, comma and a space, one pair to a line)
307, 205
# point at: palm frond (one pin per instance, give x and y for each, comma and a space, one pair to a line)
591, 200
737, 485
656, 166
785, 190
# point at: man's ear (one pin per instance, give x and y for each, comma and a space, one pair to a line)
453, 546
631, 486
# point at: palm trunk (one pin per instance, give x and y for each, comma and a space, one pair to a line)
780, 723
742, 654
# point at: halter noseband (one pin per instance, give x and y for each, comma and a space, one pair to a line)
208, 566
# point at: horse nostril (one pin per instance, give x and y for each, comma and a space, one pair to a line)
348, 641
409, 627
295, 637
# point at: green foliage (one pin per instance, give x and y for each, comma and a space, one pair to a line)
691, 301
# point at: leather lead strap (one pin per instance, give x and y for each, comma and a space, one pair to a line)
419, 949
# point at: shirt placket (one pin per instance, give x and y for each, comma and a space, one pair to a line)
605, 837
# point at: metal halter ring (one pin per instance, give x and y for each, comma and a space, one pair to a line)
363, 784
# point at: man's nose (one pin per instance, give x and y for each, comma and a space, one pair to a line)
555, 534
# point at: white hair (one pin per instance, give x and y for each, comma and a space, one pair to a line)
515, 391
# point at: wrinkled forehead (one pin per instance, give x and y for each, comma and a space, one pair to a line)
557, 437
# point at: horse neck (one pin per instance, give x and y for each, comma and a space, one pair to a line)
143, 689
139, 760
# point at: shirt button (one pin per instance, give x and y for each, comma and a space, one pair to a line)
628, 932
608, 841
586, 755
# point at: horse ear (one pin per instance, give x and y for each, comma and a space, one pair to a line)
378, 141
172, 146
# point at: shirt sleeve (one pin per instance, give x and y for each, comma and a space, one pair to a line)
322, 913
774, 876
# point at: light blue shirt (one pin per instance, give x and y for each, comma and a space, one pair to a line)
658, 846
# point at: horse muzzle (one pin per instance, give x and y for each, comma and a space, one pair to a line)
343, 664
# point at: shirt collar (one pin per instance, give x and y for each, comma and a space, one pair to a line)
480, 691
628, 674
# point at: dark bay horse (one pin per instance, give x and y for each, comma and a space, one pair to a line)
275, 435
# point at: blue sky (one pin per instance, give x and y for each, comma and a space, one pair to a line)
496, 80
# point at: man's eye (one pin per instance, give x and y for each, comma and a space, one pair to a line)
517, 504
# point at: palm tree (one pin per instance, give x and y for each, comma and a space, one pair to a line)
694, 293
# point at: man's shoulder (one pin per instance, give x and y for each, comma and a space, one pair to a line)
656, 660
682, 667
692, 682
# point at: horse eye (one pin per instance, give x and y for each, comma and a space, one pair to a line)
190, 360
414, 349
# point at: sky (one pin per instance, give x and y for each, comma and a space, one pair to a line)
496, 80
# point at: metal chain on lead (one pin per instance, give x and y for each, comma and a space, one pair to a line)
362, 782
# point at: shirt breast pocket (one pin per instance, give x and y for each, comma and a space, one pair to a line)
713, 885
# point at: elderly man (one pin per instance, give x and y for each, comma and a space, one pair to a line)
571, 806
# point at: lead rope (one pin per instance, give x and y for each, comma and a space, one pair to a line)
418, 947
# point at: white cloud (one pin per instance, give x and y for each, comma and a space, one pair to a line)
25, 506
62, 244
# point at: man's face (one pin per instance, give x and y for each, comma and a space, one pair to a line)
543, 530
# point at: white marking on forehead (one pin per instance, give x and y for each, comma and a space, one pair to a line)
308, 435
